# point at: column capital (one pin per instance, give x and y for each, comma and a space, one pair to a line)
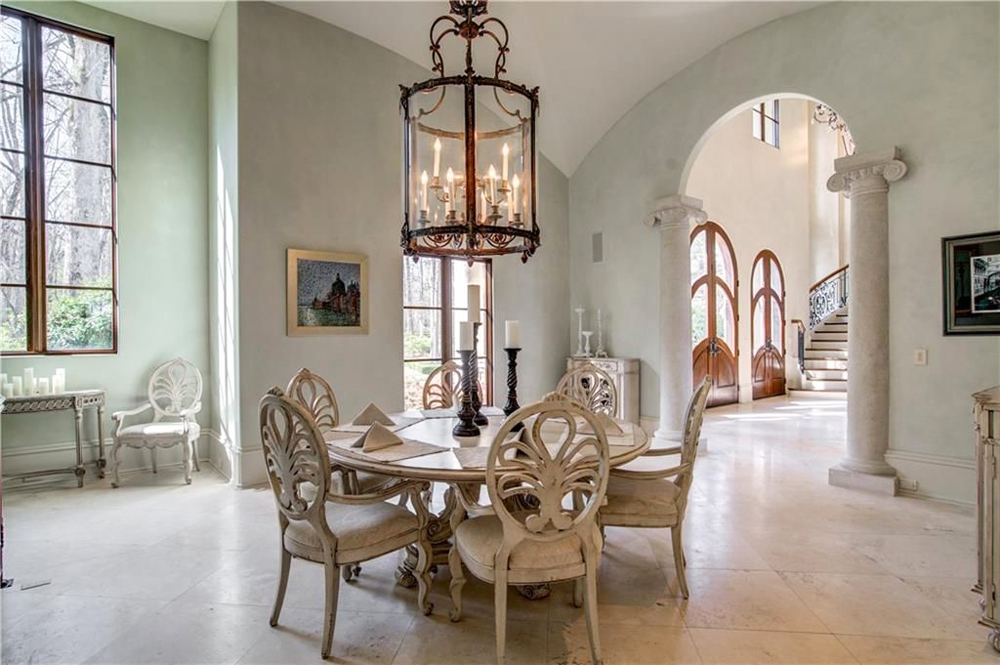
674, 211
867, 172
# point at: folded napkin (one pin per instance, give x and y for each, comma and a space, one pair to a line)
371, 414
376, 438
611, 426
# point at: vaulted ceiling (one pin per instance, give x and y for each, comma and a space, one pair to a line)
592, 60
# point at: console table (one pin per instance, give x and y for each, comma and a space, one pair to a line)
77, 400
986, 412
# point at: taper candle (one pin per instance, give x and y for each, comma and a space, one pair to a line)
423, 190
514, 184
437, 157
506, 156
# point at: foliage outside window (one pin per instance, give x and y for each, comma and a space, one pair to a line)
766, 123
435, 294
58, 235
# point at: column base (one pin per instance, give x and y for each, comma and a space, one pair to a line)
851, 479
666, 438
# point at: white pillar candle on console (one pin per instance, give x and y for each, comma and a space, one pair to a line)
18, 386
465, 336
29, 381
8, 389
513, 334
43, 386
474, 316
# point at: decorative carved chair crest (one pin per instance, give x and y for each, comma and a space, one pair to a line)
174, 388
314, 393
592, 387
547, 461
443, 388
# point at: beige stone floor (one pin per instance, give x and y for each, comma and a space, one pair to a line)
782, 569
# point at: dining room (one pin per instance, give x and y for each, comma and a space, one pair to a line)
362, 332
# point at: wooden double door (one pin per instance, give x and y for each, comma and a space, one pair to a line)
767, 312
714, 313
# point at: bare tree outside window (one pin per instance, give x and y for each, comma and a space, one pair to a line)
57, 198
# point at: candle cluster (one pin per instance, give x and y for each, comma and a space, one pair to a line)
498, 195
27, 384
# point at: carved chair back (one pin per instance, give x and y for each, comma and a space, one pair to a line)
315, 395
443, 388
531, 473
591, 386
693, 417
296, 462
174, 388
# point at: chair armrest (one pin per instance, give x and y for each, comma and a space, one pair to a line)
190, 411
654, 474
662, 452
387, 492
121, 415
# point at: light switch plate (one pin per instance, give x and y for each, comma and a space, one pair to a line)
920, 356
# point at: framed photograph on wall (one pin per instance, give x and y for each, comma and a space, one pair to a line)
327, 293
971, 265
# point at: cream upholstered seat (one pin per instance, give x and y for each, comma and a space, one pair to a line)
658, 498
321, 525
591, 386
174, 397
527, 535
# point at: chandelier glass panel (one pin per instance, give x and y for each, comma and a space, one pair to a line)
469, 151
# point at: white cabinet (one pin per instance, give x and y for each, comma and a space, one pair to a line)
625, 373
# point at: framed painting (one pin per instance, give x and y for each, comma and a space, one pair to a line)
327, 293
971, 266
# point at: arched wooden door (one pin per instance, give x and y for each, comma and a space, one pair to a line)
714, 313
767, 334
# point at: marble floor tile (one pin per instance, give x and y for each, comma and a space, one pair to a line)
569, 644
814, 553
434, 640
628, 596
898, 651
748, 647
943, 555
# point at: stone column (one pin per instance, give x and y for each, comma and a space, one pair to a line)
674, 216
865, 180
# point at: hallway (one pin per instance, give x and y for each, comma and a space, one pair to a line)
783, 568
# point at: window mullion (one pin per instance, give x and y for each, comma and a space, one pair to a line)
34, 175
446, 311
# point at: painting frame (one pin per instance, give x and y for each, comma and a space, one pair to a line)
294, 327
971, 299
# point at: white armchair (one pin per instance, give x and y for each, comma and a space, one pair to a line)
174, 397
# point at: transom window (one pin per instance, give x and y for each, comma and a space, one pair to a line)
435, 294
766, 123
58, 231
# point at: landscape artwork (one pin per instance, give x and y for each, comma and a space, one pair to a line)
327, 292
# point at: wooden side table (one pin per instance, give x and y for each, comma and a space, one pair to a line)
77, 400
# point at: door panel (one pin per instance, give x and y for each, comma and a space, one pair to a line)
714, 313
767, 311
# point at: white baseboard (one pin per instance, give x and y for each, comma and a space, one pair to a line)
243, 467
938, 477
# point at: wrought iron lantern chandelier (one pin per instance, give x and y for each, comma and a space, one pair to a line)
469, 158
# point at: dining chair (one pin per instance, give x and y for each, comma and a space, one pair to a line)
321, 525
174, 396
591, 386
443, 387
315, 395
527, 535
658, 498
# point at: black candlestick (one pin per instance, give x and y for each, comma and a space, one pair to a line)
477, 402
512, 404
466, 414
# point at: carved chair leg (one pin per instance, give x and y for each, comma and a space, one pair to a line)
457, 582
500, 609
578, 591
279, 599
679, 563
590, 601
113, 455
194, 446
330, 613
188, 464
152, 454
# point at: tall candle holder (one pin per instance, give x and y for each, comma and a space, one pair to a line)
466, 414
477, 402
512, 404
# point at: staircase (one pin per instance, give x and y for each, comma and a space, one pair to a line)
826, 355
824, 352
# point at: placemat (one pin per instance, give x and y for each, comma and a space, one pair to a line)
399, 422
477, 457
408, 449
439, 413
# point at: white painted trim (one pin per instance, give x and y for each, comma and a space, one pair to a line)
937, 477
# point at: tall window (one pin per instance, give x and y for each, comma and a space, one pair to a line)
435, 294
766, 124
58, 286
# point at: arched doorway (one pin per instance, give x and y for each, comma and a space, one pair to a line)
714, 312
767, 330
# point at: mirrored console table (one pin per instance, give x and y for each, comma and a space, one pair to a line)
75, 400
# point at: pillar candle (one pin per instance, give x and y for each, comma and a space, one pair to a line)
465, 336
513, 334
474, 316
43, 385
18, 386
3, 378
8, 389
29, 381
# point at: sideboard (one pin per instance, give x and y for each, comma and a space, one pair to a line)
986, 414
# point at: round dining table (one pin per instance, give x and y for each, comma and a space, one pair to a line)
444, 467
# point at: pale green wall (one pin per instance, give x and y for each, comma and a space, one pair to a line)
162, 224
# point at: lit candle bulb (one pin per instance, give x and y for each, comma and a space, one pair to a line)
437, 157
506, 155
423, 190
492, 175
514, 184
482, 211
449, 200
